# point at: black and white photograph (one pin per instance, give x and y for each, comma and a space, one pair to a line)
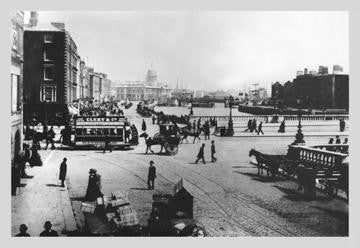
148, 123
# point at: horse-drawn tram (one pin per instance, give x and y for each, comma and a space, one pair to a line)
95, 131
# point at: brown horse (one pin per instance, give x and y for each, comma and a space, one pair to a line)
153, 141
185, 132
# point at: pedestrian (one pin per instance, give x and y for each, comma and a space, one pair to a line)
62, 173
143, 127
15, 178
93, 190
213, 158
107, 144
331, 141
50, 135
153, 119
260, 128
253, 126
282, 127
151, 175
201, 154
207, 130
194, 125
23, 228
48, 232
199, 124
249, 125
338, 141
346, 141
342, 125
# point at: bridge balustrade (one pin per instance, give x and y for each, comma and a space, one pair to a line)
268, 118
316, 157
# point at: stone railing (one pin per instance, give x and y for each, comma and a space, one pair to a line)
270, 118
316, 157
342, 148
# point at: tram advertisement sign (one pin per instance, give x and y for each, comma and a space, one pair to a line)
100, 121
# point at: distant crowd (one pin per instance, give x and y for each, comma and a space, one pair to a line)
99, 109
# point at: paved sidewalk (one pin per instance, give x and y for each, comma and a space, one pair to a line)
42, 199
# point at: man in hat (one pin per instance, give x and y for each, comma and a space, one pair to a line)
213, 158
201, 154
107, 144
48, 232
23, 228
50, 135
62, 174
151, 175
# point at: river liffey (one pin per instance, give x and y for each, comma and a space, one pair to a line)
217, 110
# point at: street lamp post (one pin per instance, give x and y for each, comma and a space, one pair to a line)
231, 127
299, 137
191, 105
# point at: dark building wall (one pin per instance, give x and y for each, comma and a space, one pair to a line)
34, 47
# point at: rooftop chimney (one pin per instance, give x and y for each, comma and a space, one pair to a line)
33, 18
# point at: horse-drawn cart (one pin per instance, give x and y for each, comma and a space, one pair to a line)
168, 137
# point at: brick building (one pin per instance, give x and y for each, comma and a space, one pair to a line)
50, 72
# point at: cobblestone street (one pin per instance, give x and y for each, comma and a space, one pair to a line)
230, 199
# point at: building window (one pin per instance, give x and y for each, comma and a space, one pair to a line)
48, 38
47, 55
48, 93
15, 99
48, 73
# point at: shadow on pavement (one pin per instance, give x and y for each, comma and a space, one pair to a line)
294, 195
140, 188
77, 198
261, 178
53, 185
243, 167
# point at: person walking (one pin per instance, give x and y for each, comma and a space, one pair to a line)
249, 124
153, 119
253, 126
151, 175
260, 128
143, 127
201, 154
107, 144
23, 228
199, 124
282, 127
48, 232
213, 158
207, 130
62, 173
50, 135
346, 140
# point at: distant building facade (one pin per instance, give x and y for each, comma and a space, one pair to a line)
151, 89
314, 91
16, 77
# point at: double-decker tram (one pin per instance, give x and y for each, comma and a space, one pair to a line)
96, 130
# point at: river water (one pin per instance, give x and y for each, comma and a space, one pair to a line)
217, 110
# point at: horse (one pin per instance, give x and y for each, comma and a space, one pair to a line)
270, 162
185, 132
153, 141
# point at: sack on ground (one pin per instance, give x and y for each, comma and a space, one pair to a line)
88, 207
126, 209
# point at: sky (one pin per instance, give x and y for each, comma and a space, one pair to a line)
207, 50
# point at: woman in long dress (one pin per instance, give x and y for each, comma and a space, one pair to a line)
94, 186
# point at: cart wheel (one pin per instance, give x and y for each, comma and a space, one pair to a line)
171, 149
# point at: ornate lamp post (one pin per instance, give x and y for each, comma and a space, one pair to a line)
191, 105
230, 128
299, 137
